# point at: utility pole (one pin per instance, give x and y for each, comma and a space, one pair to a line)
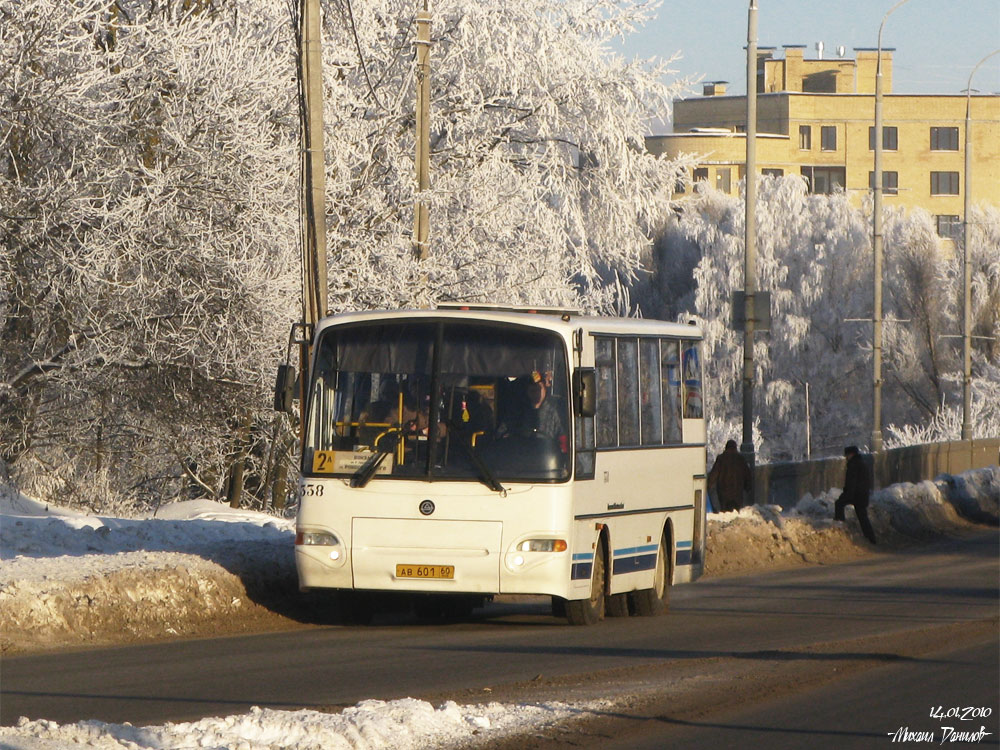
313, 199
750, 240
877, 249
421, 219
967, 266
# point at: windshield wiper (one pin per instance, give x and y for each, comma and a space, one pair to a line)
485, 473
364, 474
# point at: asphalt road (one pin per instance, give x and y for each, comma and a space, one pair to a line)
765, 623
949, 696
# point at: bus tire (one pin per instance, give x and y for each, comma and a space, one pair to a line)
590, 611
616, 605
558, 606
655, 601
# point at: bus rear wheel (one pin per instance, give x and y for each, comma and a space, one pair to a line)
616, 605
655, 601
590, 611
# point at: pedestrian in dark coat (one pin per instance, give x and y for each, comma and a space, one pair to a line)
857, 488
731, 476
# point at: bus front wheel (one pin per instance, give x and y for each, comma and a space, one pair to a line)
655, 601
590, 611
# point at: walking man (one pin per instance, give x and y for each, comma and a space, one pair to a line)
857, 488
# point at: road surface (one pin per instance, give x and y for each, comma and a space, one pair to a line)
737, 660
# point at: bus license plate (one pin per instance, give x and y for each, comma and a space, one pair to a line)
425, 571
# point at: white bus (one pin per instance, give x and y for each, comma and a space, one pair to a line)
474, 451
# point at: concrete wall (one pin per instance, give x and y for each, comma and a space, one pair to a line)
785, 483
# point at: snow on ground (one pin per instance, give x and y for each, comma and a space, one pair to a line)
68, 578
406, 724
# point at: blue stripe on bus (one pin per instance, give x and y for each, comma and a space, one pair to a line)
683, 557
636, 550
633, 563
681, 545
583, 565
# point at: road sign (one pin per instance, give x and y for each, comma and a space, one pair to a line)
761, 311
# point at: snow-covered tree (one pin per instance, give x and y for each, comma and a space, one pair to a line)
149, 235
945, 414
539, 177
814, 255
149, 159
811, 258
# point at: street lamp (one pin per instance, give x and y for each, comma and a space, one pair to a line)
877, 249
967, 267
750, 237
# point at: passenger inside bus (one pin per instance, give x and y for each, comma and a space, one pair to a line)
531, 410
388, 402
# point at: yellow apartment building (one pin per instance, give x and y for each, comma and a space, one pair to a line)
815, 118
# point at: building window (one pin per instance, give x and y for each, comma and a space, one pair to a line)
944, 139
773, 172
824, 180
805, 137
949, 226
700, 175
828, 138
890, 138
890, 182
944, 183
723, 179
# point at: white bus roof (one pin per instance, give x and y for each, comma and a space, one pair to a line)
557, 319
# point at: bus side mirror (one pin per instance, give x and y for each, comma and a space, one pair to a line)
585, 391
284, 388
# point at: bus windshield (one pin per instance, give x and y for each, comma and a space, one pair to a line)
456, 400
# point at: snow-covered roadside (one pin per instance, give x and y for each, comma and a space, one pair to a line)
63, 572
71, 579
406, 724
768, 536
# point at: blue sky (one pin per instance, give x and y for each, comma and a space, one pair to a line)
937, 42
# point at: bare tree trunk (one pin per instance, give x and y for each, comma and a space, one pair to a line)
234, 484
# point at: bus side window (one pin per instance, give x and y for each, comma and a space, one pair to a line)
651, 410
692, 381
670, 374
628, 391
585, 456
607, 393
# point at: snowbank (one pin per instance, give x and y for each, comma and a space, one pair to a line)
406, 724
763, 536
72, 579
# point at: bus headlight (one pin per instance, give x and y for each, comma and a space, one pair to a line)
529, 554
316, 539
542, 545
321, 539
